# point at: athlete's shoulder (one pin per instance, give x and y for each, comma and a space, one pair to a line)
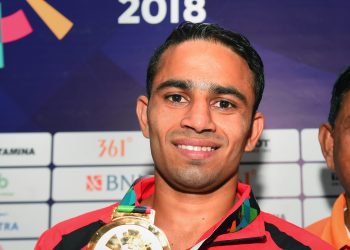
278, 227
51, 237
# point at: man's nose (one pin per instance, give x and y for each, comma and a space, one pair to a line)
199, 118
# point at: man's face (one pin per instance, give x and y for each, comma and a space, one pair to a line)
339, 157
199, 116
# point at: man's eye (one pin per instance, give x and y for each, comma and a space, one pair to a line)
176, 98
224, 104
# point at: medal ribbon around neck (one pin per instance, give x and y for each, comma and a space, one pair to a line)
127, 204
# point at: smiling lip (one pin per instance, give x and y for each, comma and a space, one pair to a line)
196, 149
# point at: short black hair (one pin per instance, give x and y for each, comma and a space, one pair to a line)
212, 32
340, 88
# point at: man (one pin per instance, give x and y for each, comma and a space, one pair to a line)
334, 138
204, 86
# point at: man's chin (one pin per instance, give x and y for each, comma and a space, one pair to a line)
194, 183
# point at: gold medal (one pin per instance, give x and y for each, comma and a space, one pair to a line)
129, 231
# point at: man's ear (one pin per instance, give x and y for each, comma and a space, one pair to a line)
141, 111
325, 137
256, 130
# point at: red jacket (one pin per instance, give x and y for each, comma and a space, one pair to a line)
243, 227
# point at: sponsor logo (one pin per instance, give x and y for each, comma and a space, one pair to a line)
7, 226
4, 184
112, 148
16, 151
94, 183
262, 146
16, 26
98, 183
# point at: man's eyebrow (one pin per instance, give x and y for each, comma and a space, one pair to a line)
221, 90
184, 85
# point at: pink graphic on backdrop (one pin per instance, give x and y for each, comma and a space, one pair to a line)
15, 27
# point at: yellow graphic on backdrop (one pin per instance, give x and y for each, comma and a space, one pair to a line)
57, 23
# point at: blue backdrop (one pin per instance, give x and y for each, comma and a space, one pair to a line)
90, 79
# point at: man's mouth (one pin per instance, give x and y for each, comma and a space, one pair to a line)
196, 148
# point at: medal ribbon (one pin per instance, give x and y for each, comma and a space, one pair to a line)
127, 204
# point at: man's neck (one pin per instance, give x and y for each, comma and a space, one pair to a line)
185, 217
